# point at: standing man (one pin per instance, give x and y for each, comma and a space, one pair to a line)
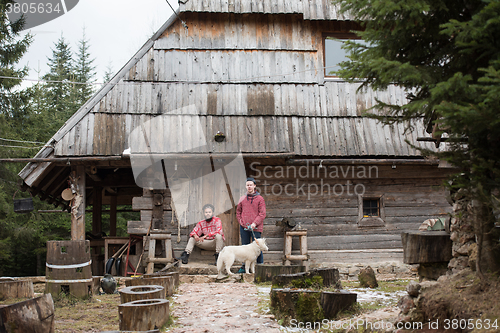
251, 212
207, 235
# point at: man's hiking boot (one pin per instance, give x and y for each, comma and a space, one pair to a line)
184, 257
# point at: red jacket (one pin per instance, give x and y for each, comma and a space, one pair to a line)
251, 209
209, 229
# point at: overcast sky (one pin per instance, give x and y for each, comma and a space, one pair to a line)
116, 29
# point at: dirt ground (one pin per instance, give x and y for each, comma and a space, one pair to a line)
220, 307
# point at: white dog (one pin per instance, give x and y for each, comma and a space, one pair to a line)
243, 253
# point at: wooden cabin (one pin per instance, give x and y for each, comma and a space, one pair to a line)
247, 81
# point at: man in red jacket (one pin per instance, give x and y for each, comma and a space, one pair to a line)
251, 212
207, 234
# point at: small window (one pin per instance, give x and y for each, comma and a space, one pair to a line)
371, 208
334, 53
371, 212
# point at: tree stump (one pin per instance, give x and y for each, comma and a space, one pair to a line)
423, 247
264, 272
302, 305
16, 289
35, 316
175, 275
143, 315
167, 282
334, 302
315, 279
135, 293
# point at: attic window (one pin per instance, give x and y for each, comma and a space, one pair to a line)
371, 212
333, 52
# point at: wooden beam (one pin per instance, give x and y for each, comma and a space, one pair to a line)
63, 160
78, 204
381, 161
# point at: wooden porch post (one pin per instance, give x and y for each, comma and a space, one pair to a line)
78, 204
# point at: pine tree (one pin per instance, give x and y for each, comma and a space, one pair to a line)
60, 90
12, 50
446, 55
108, 75
84, 71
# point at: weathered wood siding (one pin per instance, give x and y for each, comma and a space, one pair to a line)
411, 194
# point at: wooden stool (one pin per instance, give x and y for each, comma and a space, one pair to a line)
151, 260
303, 256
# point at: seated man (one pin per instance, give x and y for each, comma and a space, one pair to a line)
207, 235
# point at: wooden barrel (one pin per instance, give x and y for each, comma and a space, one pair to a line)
16, 289
143, 315
136, 293
167, 282
69, 268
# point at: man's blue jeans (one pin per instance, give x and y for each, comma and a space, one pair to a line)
247, 238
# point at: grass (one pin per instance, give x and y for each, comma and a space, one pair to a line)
99, 313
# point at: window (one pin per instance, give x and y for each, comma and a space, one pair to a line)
371, 211
371, 208
334, 54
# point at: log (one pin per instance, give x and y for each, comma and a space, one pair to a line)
143, 315
302, 305
423, 247
265, 272
135, 293
16, 289
167, 282
35, 316
315, 279
334, 302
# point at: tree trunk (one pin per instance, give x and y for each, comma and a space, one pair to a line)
488, 249
143, 315
136, 293
302, 305
420, 247
35, 315
16, 289
174, 275
334, 302
167, 282
264, 272
330, 277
